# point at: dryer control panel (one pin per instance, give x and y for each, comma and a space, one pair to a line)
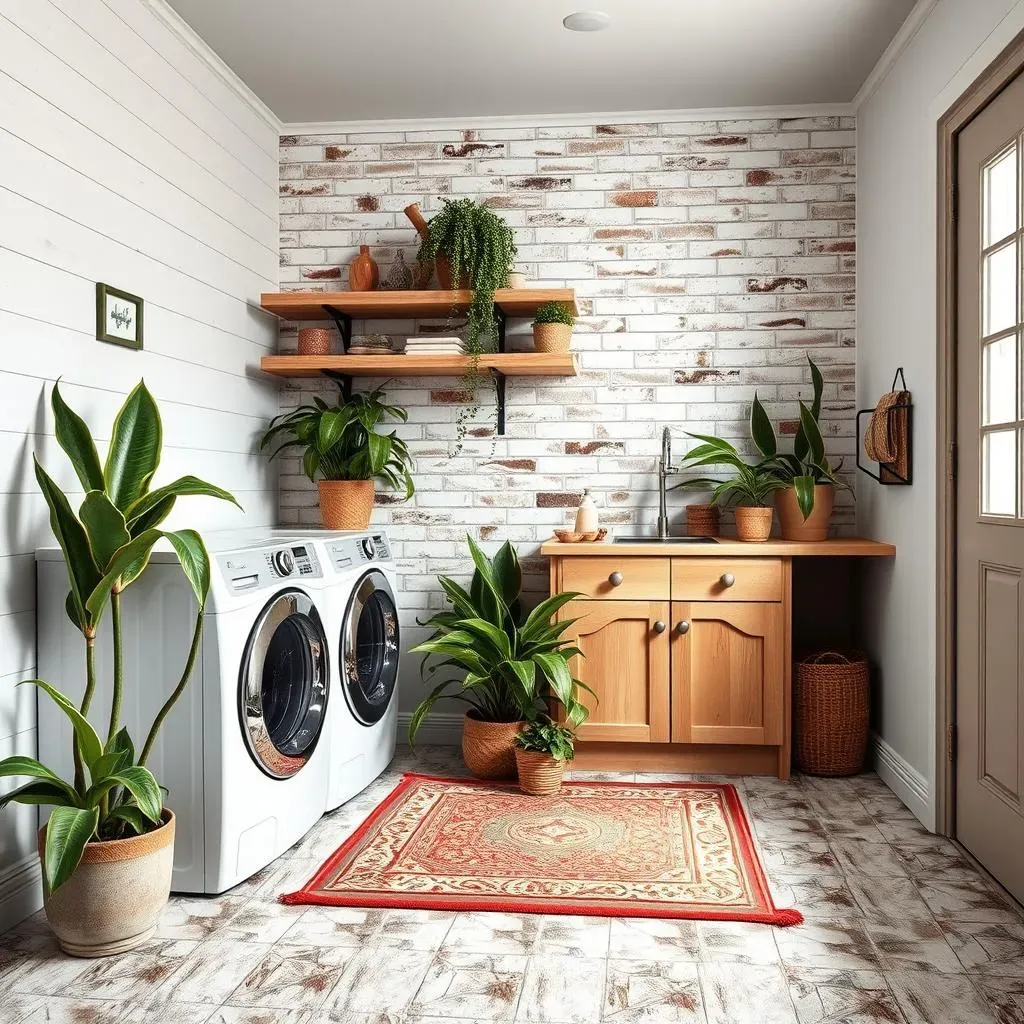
263, 567
356, 551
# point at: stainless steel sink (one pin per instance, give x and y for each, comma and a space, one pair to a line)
664, 540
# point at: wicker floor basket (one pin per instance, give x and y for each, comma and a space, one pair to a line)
539, 775
831, 708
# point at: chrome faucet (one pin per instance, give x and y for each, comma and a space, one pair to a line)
664, 469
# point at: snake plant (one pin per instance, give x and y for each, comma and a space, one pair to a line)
107, 547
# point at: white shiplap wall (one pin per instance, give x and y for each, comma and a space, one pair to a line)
127, 155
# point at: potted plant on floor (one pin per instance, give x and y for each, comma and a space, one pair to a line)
806, 499
507, 661
749, 489
107, 849
542, 749
342, 445
552, 327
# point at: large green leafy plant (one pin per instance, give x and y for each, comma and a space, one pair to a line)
751, 484
341, 442
505, 659
106, 548
807, 465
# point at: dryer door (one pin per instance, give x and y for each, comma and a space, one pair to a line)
284, 684
369, 648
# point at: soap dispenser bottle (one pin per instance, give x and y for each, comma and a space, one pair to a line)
586, 515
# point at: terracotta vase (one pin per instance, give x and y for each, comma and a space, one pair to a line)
445, 278
754, 524
552, 337
792, 524
114, 898
346, 504
363, 273
539, 774
487, 747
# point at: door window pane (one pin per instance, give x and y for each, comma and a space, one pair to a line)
999, 381
1000, 290
1000, 185
999, 473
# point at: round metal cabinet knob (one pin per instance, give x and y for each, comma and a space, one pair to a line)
616, 579
683, 627
660, 627
728, 579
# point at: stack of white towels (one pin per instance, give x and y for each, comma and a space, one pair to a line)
434, 346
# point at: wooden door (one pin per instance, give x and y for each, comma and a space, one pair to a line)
728, 672
990, 510
626, 664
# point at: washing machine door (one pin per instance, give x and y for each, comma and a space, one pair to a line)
369, 648
284, 684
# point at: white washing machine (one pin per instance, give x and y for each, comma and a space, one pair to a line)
246, 752
363, 630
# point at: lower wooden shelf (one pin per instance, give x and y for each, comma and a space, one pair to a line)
510, 364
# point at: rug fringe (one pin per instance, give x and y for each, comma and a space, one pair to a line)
785, 918
294, 899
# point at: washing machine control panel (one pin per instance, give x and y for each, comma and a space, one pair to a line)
356, 551
253, 570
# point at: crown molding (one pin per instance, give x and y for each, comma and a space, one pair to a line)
422, 124
198, 46
903, 38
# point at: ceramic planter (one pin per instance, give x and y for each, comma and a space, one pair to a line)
552, 337
753, 524
487, 747
114, 898
539, 774
346, 504
792, 524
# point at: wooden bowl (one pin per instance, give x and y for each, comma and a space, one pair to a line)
572, 537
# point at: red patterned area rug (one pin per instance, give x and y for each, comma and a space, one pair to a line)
669, 850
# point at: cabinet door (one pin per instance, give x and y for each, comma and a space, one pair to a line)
626, 664
728, 672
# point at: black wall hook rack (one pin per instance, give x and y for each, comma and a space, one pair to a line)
888, 474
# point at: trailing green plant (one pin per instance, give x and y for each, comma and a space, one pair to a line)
807, 465
506, 659
106, 548
547, 737
751, 484
342, 442
554, 313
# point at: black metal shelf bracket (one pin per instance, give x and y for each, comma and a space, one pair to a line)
499, 390
501, 320
896, 479
344, 324
343, 380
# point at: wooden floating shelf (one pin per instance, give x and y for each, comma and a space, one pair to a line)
385, 305
511, 364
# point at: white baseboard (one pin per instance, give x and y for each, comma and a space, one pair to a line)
21, 891
903, 779
440, 728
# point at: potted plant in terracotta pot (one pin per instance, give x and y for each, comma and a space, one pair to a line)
507, 661
749, 489
542, 749
107, 848
552, 327
806, 499
342, 445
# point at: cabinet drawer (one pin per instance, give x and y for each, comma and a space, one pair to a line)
625, 579
726, 579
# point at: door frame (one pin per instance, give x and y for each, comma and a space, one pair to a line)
1004, 69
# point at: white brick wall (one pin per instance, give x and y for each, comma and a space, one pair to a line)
708, 258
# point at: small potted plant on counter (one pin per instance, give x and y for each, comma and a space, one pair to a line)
750, 489
507, 661
807, 495
108, 847
542, 749
552, 327
342, 445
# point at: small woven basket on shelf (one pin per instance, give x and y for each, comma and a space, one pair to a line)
702, 520
830, 701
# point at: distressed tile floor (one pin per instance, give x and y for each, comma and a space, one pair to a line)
900, 929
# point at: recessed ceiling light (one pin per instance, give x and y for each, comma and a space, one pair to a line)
586, 21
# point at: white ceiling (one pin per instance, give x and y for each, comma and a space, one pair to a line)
341, 60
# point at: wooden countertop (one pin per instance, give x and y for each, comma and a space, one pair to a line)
855, 547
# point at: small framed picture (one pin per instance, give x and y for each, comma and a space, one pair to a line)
118, 317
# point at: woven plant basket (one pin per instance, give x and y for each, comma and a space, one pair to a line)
754, 524
346, 504
487, 747
702, 520
552, 337
539, 774
831, 706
